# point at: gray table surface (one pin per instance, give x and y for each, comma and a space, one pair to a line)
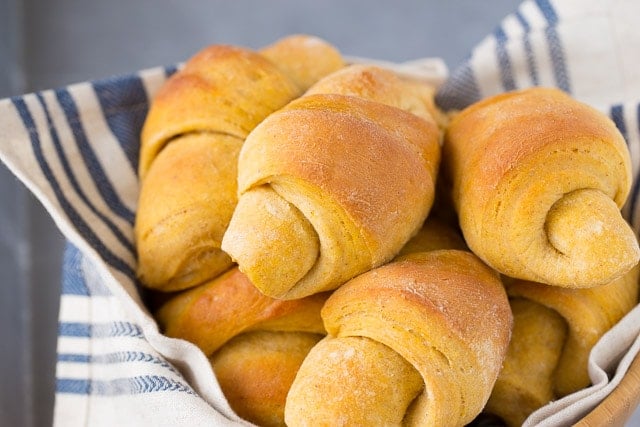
50, 43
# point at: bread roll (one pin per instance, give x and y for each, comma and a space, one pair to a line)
333, 185
211, 314
435, 234
538, 179
255, 371
190, 143
418, 341
255, 343
380, 85
525, 382
554, 331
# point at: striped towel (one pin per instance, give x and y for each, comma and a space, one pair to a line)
76, 149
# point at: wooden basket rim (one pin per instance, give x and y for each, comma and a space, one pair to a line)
620, 404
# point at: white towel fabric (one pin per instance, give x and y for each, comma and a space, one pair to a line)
76, 149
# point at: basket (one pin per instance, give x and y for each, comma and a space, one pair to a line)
53, 139
76, 150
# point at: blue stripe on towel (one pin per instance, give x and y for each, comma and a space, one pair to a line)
74, 358
504, 61
170, 70
617, 115
68, 329
633, 200
73, 386
74, 182
124, 106
109, 194
99, 330
75, 218
73, 279
121, 386
531, 60
460, 90
635, 188
116, 357
548, 11
556, 49
73, 282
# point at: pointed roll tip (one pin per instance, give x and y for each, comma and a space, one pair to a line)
272, 242
587, 231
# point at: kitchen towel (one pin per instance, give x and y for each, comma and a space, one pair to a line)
76, 148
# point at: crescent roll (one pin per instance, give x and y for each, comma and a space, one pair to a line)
538, 180
418, 341
189, 148
554, 331
335, 183
255, 343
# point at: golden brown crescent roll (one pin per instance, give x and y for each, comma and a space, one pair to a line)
554, 331
255, 371
333, 185
538, 180
525, 382
418, 341
255, 343
190, 143
211, 314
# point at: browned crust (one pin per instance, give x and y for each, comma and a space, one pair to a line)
491, 137
211, 314
223, 89
445, 312
375, 161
